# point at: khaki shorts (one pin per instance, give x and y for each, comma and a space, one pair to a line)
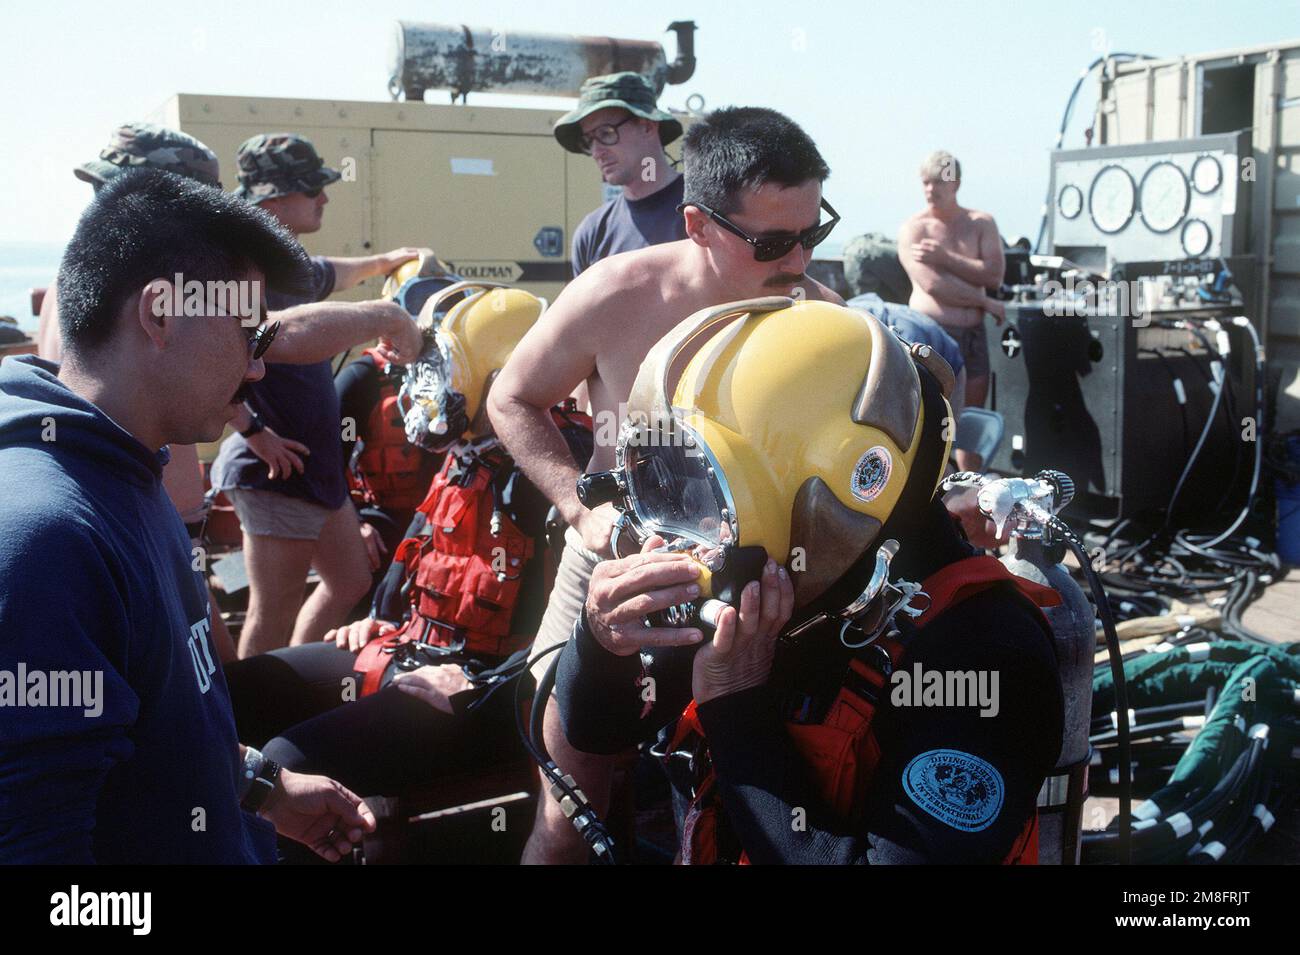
974, 345
572, 579
269, 514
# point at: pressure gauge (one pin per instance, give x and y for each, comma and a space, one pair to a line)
1164, 196
1111, 199
1207, 175
1196, 238
1070, 201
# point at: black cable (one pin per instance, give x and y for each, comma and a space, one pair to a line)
1065, 122
573, 802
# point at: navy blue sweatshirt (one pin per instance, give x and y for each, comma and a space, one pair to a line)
97, 583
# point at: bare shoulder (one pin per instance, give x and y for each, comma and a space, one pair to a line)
913, 224
597, 298
984, 220
817, 292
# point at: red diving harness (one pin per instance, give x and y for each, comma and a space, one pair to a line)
464, 572
389, 472
841, 750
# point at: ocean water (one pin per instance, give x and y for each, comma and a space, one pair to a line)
24, 266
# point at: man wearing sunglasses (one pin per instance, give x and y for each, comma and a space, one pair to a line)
753, 212
294, 507
619, 125
140, 762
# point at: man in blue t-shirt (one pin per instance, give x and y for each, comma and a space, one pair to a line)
619, 125
117, 741
294, 509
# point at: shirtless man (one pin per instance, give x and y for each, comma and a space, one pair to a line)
753, 191
952, 255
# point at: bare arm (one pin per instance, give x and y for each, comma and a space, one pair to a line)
987, 270
316, 331
943, 288
352, 271
554, 357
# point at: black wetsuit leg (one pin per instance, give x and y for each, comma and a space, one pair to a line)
390, 741
273, 691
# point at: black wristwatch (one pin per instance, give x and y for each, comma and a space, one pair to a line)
254, 427
257, 779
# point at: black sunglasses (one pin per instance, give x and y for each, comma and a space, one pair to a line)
606, 134
772, 247
260, 339
312, 193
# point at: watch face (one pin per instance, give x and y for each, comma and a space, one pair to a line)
1164, 196
1196, 238
1070, 201
1111, 199
1207, 174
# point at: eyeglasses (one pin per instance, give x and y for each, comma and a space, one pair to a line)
605, 134
312, 193
771, 247
259, 340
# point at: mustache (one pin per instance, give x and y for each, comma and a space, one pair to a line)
783, 279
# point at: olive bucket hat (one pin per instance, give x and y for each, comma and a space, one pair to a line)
629, 91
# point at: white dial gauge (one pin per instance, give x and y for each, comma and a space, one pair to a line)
1164, 196
1070, 201
1111, 199
1196, 238
1207, 174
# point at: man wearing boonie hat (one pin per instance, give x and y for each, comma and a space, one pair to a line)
295, 511
132, 146
618, 123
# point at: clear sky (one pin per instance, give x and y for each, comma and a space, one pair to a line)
877, 83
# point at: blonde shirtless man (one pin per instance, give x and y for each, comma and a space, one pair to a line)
952, 254
753, 211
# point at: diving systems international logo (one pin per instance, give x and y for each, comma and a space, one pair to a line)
958, 789
871, 474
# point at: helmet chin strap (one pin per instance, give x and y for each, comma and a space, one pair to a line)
873, 610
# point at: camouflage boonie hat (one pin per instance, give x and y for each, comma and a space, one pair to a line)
279, 164
136, 145
629, 91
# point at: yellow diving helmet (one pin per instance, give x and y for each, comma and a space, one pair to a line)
792, 430
412, 282
444, 396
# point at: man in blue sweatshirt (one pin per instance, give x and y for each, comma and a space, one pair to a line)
117, 742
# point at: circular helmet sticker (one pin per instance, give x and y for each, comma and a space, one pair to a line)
871, 474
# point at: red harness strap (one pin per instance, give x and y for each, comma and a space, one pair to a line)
842, 751
391, 472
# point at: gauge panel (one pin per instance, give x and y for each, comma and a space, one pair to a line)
1070, 201
1163, 197
1207, 174
1196, 238
1112, 199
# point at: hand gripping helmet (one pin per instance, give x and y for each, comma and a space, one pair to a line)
412, 283
444, 396
797, 428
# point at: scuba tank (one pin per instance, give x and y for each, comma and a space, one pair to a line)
1029, 506
1060, 803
